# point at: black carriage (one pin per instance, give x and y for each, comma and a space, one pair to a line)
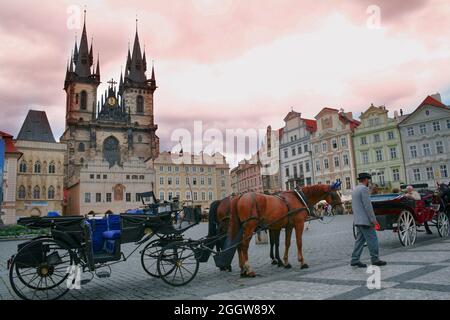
48, 267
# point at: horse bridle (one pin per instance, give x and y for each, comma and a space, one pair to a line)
304, 199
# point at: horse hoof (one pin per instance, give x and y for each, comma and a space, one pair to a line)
288, 266
248, 275
274, 262
304, 266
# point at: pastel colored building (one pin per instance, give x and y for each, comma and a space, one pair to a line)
425, 135
295, 151
332, 148
378, 148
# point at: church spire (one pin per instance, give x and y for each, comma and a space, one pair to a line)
153, 86
83, 62
137, 69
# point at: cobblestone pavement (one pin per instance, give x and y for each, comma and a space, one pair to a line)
422, 271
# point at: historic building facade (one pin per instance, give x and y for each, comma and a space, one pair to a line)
40, 177
378, 148
248, 175
332, 148
199, 179
425, 137
12, 156
116, 134
295, 151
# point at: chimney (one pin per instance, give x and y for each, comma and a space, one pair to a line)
395, 114
437, 96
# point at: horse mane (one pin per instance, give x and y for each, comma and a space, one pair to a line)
315, 189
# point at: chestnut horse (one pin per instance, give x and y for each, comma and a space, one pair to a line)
275, 212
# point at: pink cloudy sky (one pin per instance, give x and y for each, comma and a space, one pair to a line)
231, 63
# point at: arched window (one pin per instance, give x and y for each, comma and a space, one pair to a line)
81, 147
23, 167
140, 104
83, 100
51, 167
111, 151
51, 192
37, 167
21, 193
36, 193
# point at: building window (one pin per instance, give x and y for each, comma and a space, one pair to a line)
161, 180
393, 152
436, 126
326, 165
83, 100
448, 124
108, 197
430, 174
336, 162
376, 138
334, 143
363, 140
128, 197
141, 177
410, 131
98, 197
52, 168
51, 193
223, 183
416, 174
439, 147
187, 181
37, 167
36, 192
317, 165
195, 196
210, 196
138, 197
365, 157
396, 174
188, 195
194, 181
140, 104
316, 148
293, 152
305, 148
177, 181
203, 196
381, 178
81, 147
161, 168
426, 149
170, 195
87, 197
379, 155
287, 171
209, 181
21, 193
286, 155
202, 181
169, 181
423, 128
344, 142
391, 135
299, 149
23, 167
161, 195
345, 158
307, 167
92, 176
324, 147
413, 151
444, 173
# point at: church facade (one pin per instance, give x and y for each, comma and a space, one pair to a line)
109, 139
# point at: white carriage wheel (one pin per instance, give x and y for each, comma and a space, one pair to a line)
443, 224
407, 229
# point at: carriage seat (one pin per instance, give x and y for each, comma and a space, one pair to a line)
111, 234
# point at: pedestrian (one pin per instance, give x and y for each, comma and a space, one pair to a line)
365, 221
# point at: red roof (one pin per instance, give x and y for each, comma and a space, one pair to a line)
9, 143
311, 125
429, 101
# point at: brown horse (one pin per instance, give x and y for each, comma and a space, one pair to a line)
287, 210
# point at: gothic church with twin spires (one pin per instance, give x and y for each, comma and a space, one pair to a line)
109, 138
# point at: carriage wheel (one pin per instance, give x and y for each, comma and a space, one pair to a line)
177, 264
442, 224
41, 269
407, 229
149, 258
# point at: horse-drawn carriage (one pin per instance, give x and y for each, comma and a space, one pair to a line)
48, 266
405, 215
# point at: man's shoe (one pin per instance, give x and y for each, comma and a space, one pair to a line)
379, 263
358, 264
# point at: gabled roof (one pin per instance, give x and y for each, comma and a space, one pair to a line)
429, 101
36, 128
292, 114
9, 144
326, 109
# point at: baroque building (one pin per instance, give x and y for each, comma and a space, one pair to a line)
108, 139
332, 148
425, 137
295, 151
8, 196
40, 178
378, 148
199, 179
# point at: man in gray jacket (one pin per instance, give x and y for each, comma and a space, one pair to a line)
365, 221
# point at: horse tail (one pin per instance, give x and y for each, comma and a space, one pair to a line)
212, 218
235, 223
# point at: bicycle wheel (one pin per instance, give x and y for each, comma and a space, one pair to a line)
177, 264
